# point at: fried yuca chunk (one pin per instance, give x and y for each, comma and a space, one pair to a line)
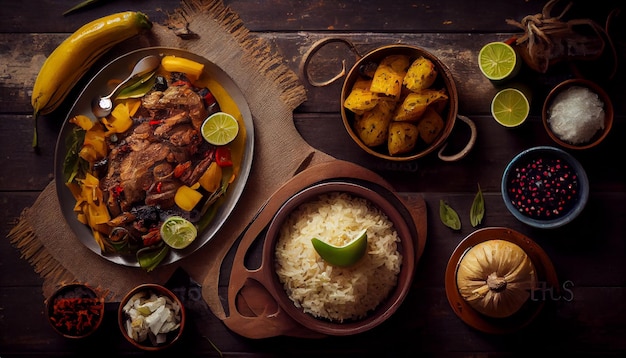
389, 76
430, 126
420, 75
361, 99
373, 126
415, 104
402, 137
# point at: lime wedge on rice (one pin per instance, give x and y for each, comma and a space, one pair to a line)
498, 61
343, 256
177, 232
220, 128
510, 107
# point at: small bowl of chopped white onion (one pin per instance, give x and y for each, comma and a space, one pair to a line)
151, 317
578, 114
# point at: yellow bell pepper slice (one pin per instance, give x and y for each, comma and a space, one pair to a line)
96, 138
211, 180
133, 105
187, 198
98, 214
191, 68
119, 121
82, 121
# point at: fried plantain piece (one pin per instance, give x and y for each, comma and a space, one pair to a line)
402, 137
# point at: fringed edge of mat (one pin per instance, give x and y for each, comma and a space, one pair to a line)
23, 237
293, 92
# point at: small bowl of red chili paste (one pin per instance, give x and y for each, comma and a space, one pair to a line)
545, 187
75, 310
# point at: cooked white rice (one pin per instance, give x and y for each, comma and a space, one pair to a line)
327, 291
576, 115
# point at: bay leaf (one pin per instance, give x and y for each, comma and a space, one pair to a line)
477, 212
449, 216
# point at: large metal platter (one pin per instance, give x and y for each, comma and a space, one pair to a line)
120, 68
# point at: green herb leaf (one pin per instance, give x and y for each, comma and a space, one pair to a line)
81, 5
73, 165
448, 216
150, 257
477, 211
139, 88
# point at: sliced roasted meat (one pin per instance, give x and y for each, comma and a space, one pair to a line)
147, 164
181, 96
161, 194
193, 175
167, 124
135, 170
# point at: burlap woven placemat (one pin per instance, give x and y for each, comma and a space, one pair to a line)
272, 91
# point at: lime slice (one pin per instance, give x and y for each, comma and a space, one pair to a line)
510, 107
342, 256
220, 128
498, 61
177, 232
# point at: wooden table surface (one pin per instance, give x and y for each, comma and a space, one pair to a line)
588, 254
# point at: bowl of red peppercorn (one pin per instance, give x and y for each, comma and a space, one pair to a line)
75, 310
545, 187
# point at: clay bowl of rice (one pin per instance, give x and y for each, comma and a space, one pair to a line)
577, 114
336, 300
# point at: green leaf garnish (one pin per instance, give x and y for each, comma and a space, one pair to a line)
80, 5
150, 257
139, 88
73, 165
448, 216
477, 212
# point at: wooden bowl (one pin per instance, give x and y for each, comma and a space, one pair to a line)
546, 275
385, 308
444, 80
63, 306
608, 113
147, 345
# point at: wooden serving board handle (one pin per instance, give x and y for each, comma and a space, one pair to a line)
252, 310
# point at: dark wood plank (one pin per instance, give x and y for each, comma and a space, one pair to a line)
47, 16
29, 171
292, 16
14, 270
457, 51
424, 324
484, 165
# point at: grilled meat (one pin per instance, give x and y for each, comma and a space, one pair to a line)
141, 165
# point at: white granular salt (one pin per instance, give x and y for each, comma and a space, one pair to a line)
576, 115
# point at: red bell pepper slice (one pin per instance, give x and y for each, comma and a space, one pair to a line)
223, 157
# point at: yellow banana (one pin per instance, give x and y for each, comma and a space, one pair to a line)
75, 55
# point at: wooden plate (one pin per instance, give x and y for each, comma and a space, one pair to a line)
546, 275
251, 309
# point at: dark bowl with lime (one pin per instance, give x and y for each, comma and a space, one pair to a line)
545, 187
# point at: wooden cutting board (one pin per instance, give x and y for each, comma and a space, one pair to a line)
251, 311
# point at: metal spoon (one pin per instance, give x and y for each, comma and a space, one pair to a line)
102, 106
